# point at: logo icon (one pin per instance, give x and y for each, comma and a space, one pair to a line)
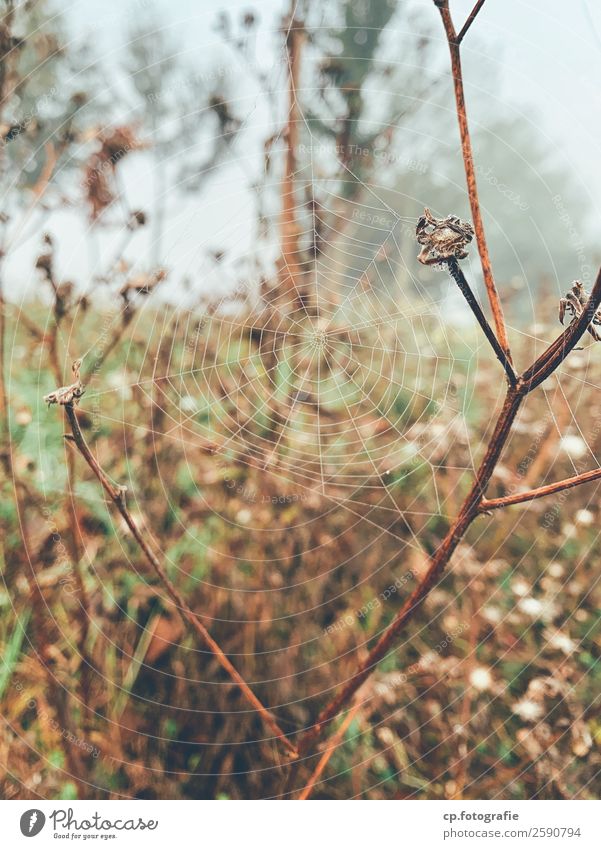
32, 822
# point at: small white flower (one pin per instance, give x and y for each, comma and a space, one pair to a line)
481, 679
428, 659
520, 587
555, 570
492, 614
120, 382
187, 404
531, 607
23, 417
562, 642
584, 517
574, 446
243, 516
527, 710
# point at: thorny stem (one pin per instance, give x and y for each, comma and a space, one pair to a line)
470, 173
474, 504
117, 495
461, 281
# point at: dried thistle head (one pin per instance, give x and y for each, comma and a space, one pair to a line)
575, 303
68, 394
442, 238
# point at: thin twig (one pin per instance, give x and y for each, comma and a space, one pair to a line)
470, 175
461, 281
333, 744
117, 496
290, 266
556, 353
469, 21
470, 509
438, 563
539, 492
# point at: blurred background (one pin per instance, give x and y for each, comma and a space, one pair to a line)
215, 208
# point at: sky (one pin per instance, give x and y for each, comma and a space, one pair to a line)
546, 54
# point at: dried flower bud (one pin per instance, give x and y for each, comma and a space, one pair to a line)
68, 394
442, 238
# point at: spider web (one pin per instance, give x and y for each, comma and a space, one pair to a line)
347, 407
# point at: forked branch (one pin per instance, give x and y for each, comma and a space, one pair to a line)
540, 491
469, 21
117, 496
444, 241
474, 505
453, 40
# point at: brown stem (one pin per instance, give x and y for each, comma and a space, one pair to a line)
469, 21
83, 601
539, 492
467, 514
117, 496
333, 744
556, 353
290, 266
474, 505
470, 174
461, 281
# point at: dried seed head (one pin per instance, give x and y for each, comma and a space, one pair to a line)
68, 394
442, 238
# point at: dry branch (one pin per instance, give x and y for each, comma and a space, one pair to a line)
469, 21
539, 492
459, 278
453, 41
117, 496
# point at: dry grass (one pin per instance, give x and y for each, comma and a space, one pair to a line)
294, 578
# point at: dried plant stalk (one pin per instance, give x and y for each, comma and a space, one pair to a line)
474, 504
117, 496
454, 41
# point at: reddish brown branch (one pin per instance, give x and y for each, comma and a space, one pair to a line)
335, 741
117, 496
556, 353
290, 266
539, 492
469, 21
470, 174
471, 508
438, 563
